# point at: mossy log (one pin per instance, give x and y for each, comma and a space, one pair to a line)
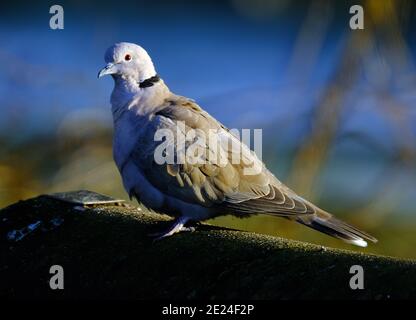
106, 252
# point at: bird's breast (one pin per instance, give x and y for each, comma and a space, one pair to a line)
128, 129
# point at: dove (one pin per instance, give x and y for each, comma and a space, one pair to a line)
190, 192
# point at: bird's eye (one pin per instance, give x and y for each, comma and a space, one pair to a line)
127, 57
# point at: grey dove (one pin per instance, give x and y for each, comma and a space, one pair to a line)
142, 106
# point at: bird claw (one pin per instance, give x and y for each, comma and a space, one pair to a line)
178, 226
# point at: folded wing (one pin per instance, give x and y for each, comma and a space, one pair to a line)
228, 175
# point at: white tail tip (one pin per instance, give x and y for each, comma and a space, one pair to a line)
360, 243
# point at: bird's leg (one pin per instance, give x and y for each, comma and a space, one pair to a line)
178, 226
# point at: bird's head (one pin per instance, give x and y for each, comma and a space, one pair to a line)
128, 61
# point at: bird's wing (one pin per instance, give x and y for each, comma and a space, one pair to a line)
229, 176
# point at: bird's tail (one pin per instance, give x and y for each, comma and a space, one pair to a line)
326, 223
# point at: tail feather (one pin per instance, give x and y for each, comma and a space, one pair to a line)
326, 223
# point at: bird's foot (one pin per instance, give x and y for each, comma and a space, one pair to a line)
178, 226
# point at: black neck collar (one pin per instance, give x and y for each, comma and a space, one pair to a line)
149, 82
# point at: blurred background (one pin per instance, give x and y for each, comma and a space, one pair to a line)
337, 106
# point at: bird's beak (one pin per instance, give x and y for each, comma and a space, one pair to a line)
110, 68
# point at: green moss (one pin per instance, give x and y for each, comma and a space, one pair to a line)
106, 253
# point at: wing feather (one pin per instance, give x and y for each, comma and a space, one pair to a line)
220, 184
